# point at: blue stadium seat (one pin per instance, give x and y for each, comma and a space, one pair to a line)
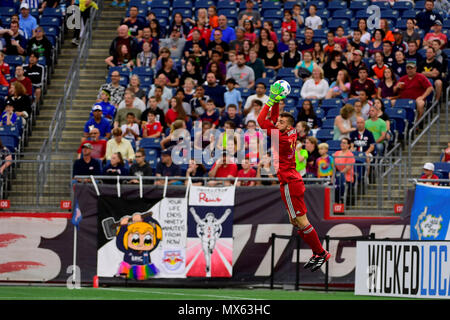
137, 3
359, 5
335, 23
51, 31
273, 14
123, 71
185, 13
160, 4
333, 145
53, 12
160, 12
9, 136
409, 105
295, 82
333, 113
284, 73
226, 4
442, 166
146, 81
399, 115
50, 21
328, 123
319, 4
342, 14
7, 11
361, 14
402, 5
14, 60
446, 24
409, 14
295, 92
153, 143
401, 23
3, 92
291, 102
142, 71
320, 113
389, 14
336, 5
182, 4
271, 5
229, 13
291, 110
203, 4
324, 135
325, 14
420, 5
331, 103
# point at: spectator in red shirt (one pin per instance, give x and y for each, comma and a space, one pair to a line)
246, 172
415, 86
176, 111
288, 23
224, 167
98, 145
363, 82
152, 128
23, 80
4, 67
428, 169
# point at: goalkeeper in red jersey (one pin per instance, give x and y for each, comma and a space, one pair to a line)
291, 183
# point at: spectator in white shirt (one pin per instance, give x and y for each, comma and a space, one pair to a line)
316, 87
313, 21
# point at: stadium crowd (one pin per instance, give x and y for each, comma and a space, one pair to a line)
208, 65
212, 70
28, 51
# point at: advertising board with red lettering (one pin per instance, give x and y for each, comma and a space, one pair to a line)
209, 250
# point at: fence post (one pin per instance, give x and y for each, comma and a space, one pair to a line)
272, 259
327, 247
297, 265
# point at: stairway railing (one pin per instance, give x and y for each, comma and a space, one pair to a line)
71, 85
427, 121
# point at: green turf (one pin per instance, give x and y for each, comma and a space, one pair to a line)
129, 293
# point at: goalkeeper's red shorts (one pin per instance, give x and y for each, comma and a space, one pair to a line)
292, 194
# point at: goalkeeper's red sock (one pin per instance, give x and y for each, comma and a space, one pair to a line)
309, 235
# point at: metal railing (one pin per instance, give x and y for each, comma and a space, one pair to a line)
71, 84
23, 186
447, 96
427, 121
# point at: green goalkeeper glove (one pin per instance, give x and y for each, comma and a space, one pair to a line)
275, 94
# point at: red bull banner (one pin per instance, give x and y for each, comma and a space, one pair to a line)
141, 238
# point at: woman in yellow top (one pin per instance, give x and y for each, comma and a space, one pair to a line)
85, 11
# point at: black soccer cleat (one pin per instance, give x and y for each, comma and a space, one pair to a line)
320, 260
311, 262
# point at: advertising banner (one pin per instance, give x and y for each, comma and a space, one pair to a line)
141, 236
210, 232
430, 214
35, 246
40, 246
413, 269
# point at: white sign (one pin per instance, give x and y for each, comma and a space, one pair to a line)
414, 269
170, 255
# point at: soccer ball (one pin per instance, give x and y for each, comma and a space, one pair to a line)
286, 87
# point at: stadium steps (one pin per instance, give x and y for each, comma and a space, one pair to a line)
367, 203
92, 76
